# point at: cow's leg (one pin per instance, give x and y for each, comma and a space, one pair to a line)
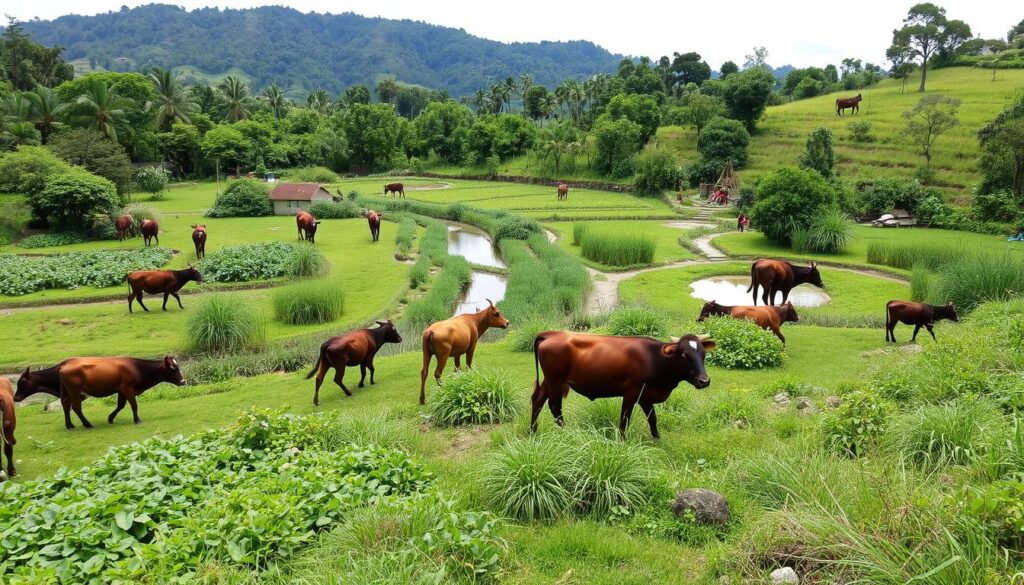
555, 403
66, 404
177, 298
9, 453
77, 406
628, 402
888, 332
916, 329
458, 362
652, 419
324, 366
138, 299
131, 299
166, 296
373, 370
120, 405
469, 354
778, 333
135, 406
362, 374
339, 377
755, 287
540, 396
928, 326
785, 296
442, 361
423, 375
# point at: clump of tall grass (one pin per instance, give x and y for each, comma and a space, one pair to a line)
419, 272
474, 397
972, 279
526, 479
830, 232
638, 320
579, 231
437, 304
307, 261
139, 212
434, 242
219, 323
616, 250
953, 433
545, 285
404, 236
522, 336
905, 255
309, 302
920, 282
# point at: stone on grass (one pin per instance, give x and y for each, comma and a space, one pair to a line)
781, 398
708, 507
785, 576
833, 401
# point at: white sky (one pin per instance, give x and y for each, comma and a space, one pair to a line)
797, 32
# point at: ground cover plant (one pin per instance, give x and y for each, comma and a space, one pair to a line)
261, 262
741, 344
474, 397
22, 275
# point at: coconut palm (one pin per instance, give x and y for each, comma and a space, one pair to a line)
235, 100
480, 101
275, 100
172, 100
496, 98
387, 90
44, 111
508, 89
525, 83
102, 108
320, 102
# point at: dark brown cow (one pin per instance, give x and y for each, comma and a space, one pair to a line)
916, 314
124, 226
639, 369
168, 282
355, 348
848, 103
199, 240
779, 276
396, 189
9, 422
373, 218
563, 192
307, 226
150, 230
45, 380
100, 377
455, 337
770, 318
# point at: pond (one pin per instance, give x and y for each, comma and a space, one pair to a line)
472, 244
483, 286
732, 290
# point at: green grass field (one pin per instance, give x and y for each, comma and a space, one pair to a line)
666, 239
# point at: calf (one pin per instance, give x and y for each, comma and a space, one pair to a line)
168, 282
100, 377
357, 347
396, 189
639, 369
150, 231
124, 226
563, 192
778, 276
916, 314
373, 218
9, 422
307, 226
455, 337
199, 240
766, 317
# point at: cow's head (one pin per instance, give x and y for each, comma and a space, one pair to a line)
390, 331
193, 274
947, 311
813, 276
710, 308
687, 355
29, 384
172, 373
788, 313
494, 317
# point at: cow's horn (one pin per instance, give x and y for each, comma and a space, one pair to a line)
490, 302
701, 337
674, 339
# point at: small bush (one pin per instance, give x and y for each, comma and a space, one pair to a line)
999, 508
613, 250
861, 132
854, 427
643, 321
515, 228
51, 240
152, 180
223, 324
789, 199
335, 210
527, 479
305, 303
72, 197
306, 261
829, 233
741, 344
954, 433
313, 175
243, 198
262, 261
474, 397
656, 171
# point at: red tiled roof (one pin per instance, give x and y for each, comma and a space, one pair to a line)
296, 191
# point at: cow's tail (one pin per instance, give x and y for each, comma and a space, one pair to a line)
320, 360
536, 361
753, 277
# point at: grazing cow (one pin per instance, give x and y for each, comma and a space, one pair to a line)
150, 230
124, 226
778, 276
916, 314
639, 369
766, 317
455, 337
100, 377
307, 226
199, 239
373, 218
396, 189
168, 282
9, 422
848, 103
45, 380
355, 348
563, 192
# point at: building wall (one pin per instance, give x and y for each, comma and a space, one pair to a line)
289, 207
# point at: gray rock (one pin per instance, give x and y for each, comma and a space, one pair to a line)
66, 322
785, 576
781, 398
53, 406
833, 401
740, 424
37, 398
803, 403
708, 507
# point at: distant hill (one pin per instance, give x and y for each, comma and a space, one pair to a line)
302, 52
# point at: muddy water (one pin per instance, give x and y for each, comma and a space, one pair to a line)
472, 244
732, 290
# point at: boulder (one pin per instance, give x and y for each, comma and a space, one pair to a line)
708, 507
803, 403
833, 401
784, 576
781, 398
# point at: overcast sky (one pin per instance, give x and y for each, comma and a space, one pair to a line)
798, 32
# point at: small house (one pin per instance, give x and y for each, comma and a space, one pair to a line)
289, 198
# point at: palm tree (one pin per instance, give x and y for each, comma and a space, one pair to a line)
387, 90
558, 140
480, 101
19, 133
172, 100
235, 100
275, 100
104, 109
319, 101
525, 83
496, 98
45, 110
508, 89
15, 107
548, 105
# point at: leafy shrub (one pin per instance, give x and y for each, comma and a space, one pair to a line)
819, 153
999, 508
474, 397
514, 227
861, 132
102, 268
26, 169
72, 197
335, 210
308, 302
741, 344
313, 175
854, 427
579, 231
830, 232
243, 198
704, 171
51, 239
637, 321
152, 180
722, 140
656, 171
883, 195
223, 324
953, 433
789, 199
615, 250
999, 206
262, 261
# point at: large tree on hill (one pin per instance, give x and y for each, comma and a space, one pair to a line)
689, 68
387, 90
746, 94
234, 98
1002, 148
727, 69
25, 63
1015, 31
357, 94
172, 100
926, 31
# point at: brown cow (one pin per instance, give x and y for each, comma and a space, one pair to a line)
124, 226
639, 369
455, 337
916, 314
150, 230
356, 347
45, 380
396, 189
766, 317
848, 103
307, 226
9, 422
373, 218
100, 377
199, 240
168, 282
779, 276
563, 192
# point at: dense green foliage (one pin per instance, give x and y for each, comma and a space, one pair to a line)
151, 180
618, 250
855, 426
746, 95
474, 397
741, 344
723, 140
313, 175
263, 261
219, 324
103, 268
543, 285
243, 198
334, 210
638, 320
89, 149
820, 153
830, 232
789, 199
72, 198
51, 239
308, 302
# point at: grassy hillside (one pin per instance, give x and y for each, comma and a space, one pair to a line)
783, 131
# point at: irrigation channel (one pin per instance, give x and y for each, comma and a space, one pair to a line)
475, 246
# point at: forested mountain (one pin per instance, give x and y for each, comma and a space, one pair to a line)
303, 52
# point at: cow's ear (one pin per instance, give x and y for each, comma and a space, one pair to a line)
670, 349
26, 371
709, 344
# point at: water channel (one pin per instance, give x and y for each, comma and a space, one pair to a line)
475, 246
732, 290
